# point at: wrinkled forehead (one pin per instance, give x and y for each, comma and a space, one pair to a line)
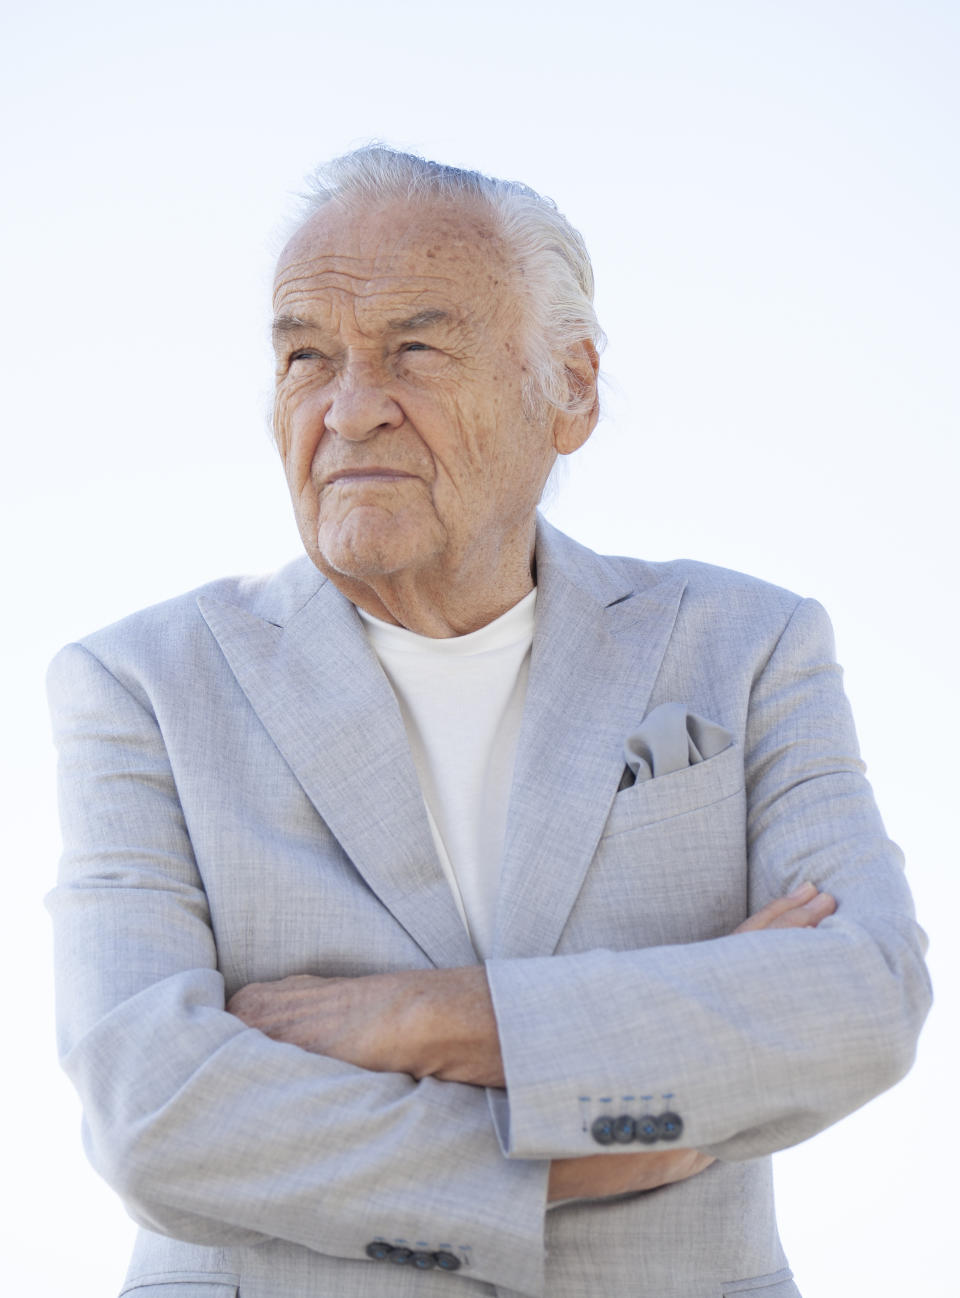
440, 251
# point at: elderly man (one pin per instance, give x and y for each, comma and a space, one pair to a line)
458, 910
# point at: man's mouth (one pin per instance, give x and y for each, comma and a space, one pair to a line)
366, 473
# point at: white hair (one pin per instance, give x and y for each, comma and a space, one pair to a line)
549, 254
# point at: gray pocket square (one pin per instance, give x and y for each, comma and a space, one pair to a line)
670, 738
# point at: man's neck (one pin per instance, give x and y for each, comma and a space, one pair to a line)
438, 605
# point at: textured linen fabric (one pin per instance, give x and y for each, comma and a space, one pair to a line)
239, 803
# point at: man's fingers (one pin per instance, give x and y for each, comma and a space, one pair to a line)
598, 1176
766, 916
805, 907
808, 915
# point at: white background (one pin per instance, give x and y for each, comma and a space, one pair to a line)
769, 190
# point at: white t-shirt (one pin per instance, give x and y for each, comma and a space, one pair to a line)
462, 700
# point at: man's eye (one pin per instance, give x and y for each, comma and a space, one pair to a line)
415, 347
304, 354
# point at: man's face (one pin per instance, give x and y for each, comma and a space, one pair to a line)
399, 413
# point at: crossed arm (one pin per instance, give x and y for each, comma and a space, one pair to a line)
441, 1023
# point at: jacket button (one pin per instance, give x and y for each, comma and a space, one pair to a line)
447, 1261
624, 1129
602, 1131
646, 1130
378, 1249
669, 1126
423, 1261
400, 1256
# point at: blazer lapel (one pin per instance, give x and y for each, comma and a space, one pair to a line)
597, 649
319, 691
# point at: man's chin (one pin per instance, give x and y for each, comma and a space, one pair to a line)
374, 552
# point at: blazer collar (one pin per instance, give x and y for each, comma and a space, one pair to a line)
319, 691
603, 626
299, 652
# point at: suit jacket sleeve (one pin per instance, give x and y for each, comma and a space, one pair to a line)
210, 1131
756, 1040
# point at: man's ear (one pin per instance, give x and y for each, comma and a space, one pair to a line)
571, 428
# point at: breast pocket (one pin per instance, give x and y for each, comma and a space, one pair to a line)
678, 794
671, 865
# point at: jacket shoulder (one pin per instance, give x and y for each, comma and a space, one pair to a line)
174, 631
706, 583
724, 607
611, 577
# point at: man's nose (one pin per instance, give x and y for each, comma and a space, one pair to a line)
362, 406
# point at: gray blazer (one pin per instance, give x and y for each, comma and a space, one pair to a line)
239, 803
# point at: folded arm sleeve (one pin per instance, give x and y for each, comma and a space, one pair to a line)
757, 1040
210, 1131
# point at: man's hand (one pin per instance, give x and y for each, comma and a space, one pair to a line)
598, 1176
805, 907
436, 1022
